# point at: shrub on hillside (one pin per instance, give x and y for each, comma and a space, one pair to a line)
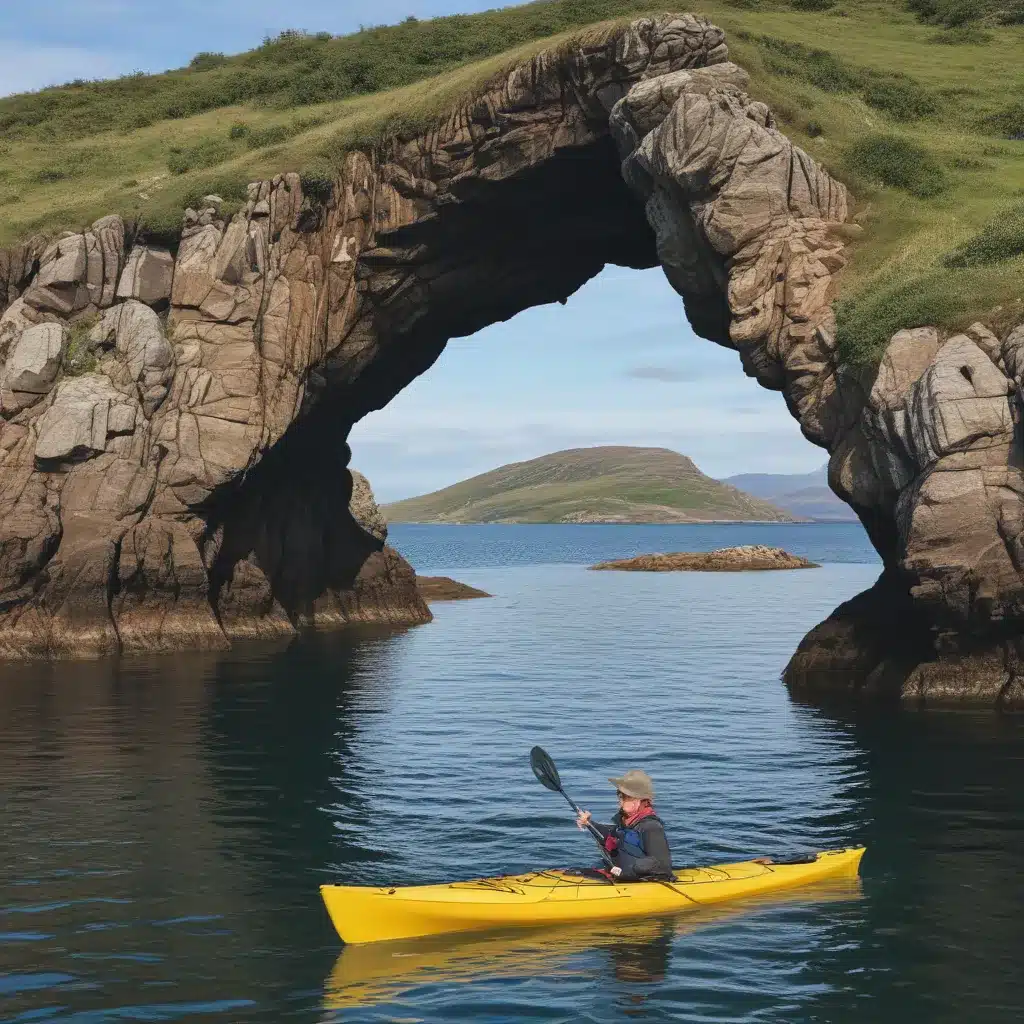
318, 186
206, 60
969, 163
899, 96
865, 323
894, 93
1003, 239
205, 153
957, 13
73, 164
1008, 122
258, 138
963, 35
819, 67
233, 188
898, 163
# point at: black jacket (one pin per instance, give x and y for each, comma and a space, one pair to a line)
657, 862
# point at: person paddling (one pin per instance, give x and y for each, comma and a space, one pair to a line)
635, 839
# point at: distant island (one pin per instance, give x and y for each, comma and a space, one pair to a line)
610, 484
806, 495
744, 558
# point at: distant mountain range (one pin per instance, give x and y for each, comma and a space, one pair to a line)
591, 485
805, 495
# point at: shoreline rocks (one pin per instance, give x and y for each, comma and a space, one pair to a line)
444, 588
744, 558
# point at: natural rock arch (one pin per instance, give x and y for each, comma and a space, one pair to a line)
193, 485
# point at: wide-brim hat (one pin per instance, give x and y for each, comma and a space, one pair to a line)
634, 783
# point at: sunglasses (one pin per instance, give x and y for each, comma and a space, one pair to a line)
623, 796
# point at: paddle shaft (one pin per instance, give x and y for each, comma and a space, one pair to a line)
591, 828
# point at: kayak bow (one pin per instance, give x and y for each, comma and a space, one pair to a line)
372, 914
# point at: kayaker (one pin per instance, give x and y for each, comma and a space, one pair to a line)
635, 839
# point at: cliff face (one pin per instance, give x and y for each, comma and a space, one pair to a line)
174, 463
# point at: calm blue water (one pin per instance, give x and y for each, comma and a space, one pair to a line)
451, 548
165, 822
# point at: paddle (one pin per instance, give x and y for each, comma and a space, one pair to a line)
547, 775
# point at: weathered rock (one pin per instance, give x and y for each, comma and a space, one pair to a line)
79, 271
364, 510
75, 426
147, 276
32, 365
744, 558
938, 444
137, 335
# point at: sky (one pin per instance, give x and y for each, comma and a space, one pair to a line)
618, 364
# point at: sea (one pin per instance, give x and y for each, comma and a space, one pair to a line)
166, 821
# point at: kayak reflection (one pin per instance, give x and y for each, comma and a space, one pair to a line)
639, 951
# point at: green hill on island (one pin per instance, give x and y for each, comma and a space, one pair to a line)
589, 485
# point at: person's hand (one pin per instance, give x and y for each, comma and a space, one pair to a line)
583, 819
615, 871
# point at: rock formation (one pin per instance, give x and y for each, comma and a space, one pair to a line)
443, 588
932, 465
744, 558
173, 457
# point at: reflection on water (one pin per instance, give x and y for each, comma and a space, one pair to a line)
166, 822
943, 819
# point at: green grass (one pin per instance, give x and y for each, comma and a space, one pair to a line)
637, 484
998, 242
925, 136
899, 163
79, 357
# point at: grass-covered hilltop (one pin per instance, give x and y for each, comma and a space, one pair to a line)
919, 107
605, 484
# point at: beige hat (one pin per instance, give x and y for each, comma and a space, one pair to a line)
634, 783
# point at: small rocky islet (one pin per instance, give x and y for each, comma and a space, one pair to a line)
745, 557
444, 588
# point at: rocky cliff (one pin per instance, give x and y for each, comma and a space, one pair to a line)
174, 459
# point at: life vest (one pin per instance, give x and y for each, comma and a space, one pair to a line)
626, 845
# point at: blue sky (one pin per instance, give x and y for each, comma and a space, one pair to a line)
618, 364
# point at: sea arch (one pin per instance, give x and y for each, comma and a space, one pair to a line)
192, 485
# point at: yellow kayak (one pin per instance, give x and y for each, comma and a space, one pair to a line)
368, 914
378, 972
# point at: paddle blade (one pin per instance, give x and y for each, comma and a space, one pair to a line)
545, 770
